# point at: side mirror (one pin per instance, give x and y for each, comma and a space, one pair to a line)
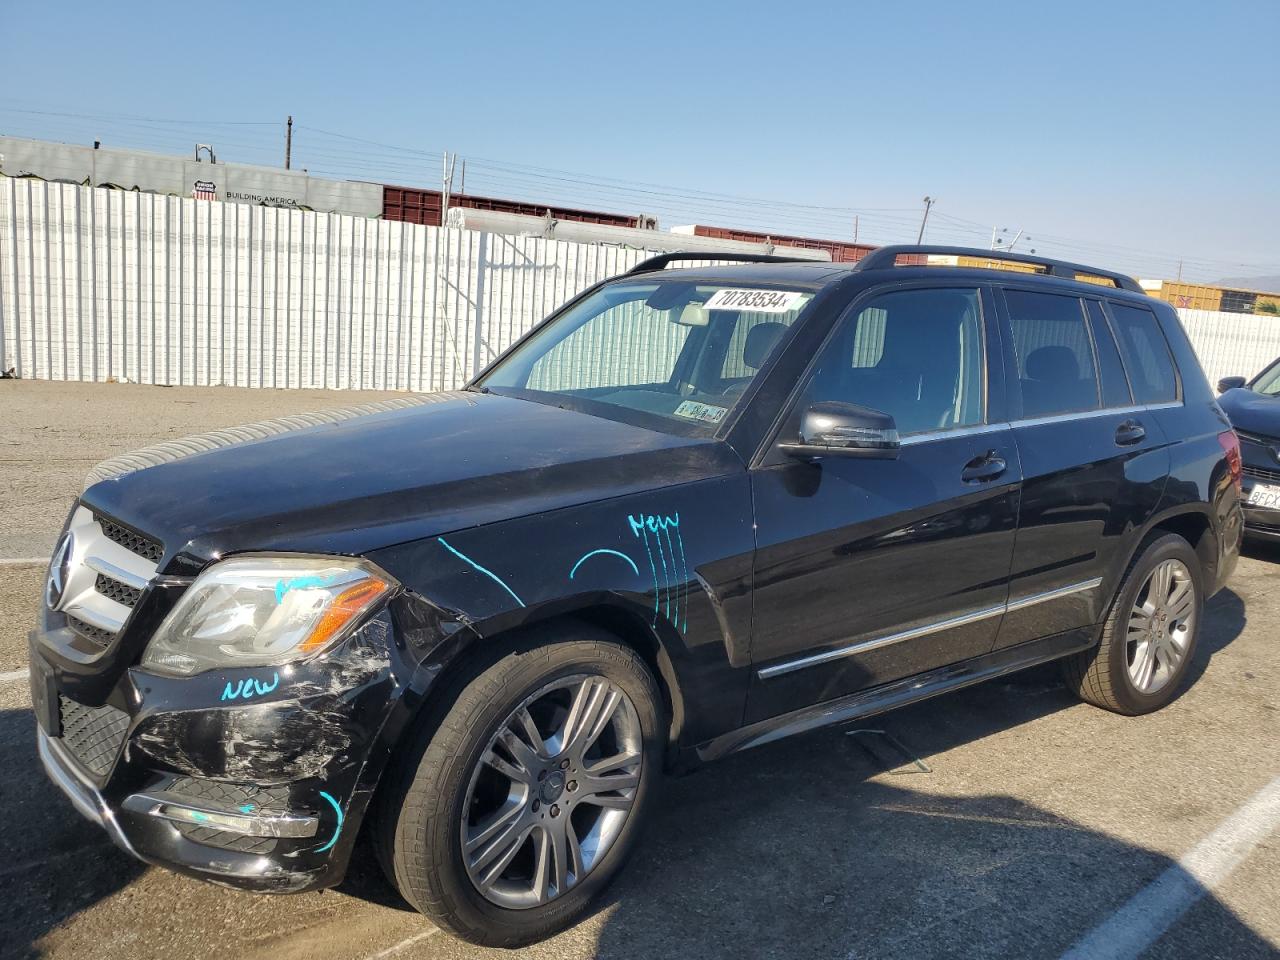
834, 429
1230, 383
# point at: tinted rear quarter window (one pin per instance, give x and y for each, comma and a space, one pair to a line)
1056, 369
1115, 385
1146, 354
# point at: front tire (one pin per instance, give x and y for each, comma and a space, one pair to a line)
524, 802
1149, 637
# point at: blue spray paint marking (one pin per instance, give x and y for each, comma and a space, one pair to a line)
615, 553
301, 583
488, 573
247, 808
637, 529
656, 533
199, 817
245, 689
338, 829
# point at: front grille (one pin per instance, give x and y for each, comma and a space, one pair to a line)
94, 634
219, 793
1258, 438
225, 840
117, 591
232, 795
132, 541
93, 735
1262, 473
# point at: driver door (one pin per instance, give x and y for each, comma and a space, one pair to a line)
867, 570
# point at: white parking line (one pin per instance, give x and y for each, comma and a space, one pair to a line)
1154, 909
14, 675
407, 942
24, 561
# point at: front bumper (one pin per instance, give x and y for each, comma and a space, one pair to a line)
265, 795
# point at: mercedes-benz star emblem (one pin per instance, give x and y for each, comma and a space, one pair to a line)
59, 567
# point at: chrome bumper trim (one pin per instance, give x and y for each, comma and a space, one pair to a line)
84, 796
179, 809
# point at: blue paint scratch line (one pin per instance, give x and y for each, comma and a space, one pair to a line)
337, 830
637, 529
651, 525
687, 578
593, 553
666, 531
488, 573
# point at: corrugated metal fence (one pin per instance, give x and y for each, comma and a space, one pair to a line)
98, 284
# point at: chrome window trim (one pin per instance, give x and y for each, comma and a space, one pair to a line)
974, 616
980, 428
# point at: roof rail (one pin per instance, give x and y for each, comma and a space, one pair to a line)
662, 259
888, 257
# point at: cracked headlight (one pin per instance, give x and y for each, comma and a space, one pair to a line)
257, 611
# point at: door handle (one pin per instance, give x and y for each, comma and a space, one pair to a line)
984, 468
1129, 433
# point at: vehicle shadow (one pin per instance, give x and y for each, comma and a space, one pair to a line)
53, 862
1265, 550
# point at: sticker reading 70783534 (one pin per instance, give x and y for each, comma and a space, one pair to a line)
755, 301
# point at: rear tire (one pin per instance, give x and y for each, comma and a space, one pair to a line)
525, 768
1149, 637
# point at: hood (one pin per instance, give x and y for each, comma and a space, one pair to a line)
373, 480
1252, 412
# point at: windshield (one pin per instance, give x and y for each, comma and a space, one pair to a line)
670, 349
1269, 381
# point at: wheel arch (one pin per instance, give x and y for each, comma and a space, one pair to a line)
1193, 523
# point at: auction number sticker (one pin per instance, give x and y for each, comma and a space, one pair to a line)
706, 412
756, 301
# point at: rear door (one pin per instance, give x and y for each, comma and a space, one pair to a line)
871, 570
1094, 462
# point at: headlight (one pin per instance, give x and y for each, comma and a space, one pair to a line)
257, 611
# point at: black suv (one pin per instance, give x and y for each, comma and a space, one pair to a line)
694, 511
1254, 409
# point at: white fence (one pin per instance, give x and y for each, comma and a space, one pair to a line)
98, 284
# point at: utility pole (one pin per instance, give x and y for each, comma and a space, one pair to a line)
928, 202
1179, 270
446, 183
462, 188
288, 140
855, 228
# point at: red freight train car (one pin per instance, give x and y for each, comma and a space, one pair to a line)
841, 251
414, 205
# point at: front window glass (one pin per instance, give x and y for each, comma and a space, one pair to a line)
1269, 382
916, 355
674, 349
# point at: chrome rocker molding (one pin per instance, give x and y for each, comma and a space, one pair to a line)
862, 646
899, 693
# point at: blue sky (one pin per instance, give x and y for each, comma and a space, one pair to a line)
1122, 133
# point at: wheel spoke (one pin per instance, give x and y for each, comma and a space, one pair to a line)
574, 849
1183, 602
1159, 591
541, 865
523, 753
1143, 664
593, 707
503, 819
525, 719
494, 858
507, 769
559, 853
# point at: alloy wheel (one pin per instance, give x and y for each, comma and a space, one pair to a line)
552, 791
1161, 626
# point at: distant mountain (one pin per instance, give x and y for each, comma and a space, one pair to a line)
1265, 284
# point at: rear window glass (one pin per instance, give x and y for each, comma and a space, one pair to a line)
1146, 354
1115, 386
1056, 371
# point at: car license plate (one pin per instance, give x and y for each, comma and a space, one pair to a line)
1264, 495
44, 700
